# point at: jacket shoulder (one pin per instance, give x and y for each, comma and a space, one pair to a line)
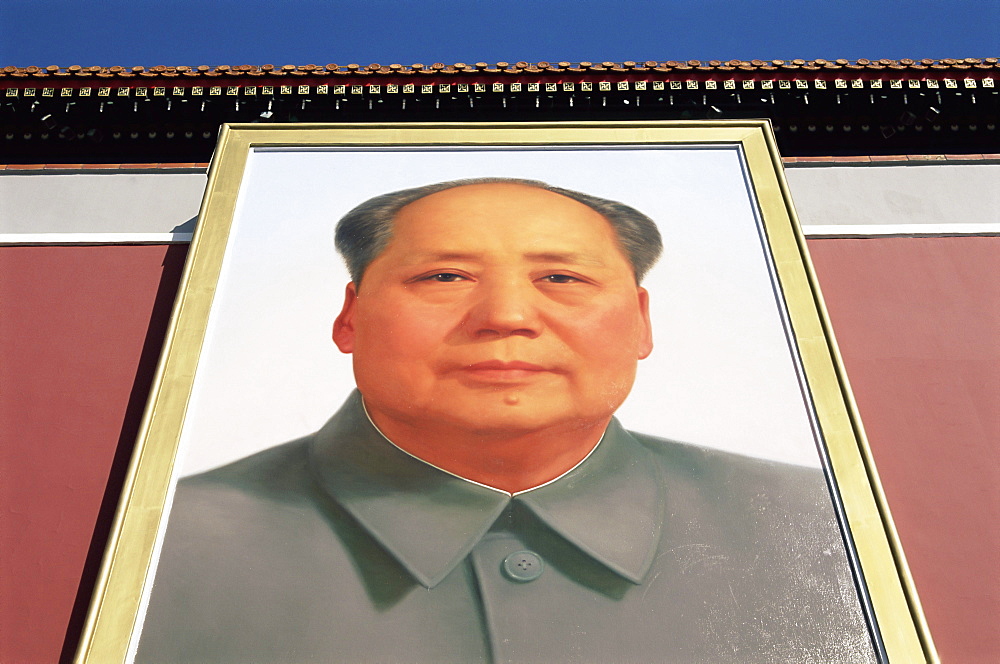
708, 461
742, 483
278, 468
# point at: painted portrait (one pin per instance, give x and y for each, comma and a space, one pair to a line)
546, 393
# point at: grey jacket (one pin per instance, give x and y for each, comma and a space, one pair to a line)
341, 548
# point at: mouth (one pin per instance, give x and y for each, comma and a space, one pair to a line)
500, 371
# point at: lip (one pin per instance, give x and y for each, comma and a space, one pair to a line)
499, 370
500, 365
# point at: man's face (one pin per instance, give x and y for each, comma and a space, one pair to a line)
496, 309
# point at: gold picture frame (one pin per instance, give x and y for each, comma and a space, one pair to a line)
110, 631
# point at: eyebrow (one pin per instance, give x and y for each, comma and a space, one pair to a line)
569, 257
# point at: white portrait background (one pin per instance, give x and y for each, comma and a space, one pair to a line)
721, 373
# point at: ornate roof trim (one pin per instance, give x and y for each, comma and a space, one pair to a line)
819, 68
859, 160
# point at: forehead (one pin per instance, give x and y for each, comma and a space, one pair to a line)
471, 207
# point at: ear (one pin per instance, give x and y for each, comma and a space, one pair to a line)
646, 333
343, 326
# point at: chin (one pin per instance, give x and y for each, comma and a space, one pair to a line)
515, 415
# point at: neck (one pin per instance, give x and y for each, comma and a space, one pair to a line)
510, 462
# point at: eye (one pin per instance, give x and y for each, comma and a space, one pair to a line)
560, 279
444, 277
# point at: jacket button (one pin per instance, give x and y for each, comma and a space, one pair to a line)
523, 566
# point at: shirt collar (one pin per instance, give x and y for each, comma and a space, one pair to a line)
610, 506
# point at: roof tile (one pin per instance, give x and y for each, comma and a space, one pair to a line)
855, 159
806, 67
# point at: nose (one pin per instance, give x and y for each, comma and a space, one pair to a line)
505, 308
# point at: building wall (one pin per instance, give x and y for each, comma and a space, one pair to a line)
831, 198
916, 318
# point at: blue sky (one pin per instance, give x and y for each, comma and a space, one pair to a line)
216, 32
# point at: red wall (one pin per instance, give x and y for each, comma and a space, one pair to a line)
80, 328
918, 324
80, 332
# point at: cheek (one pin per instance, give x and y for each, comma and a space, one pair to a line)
400, 335
611, 333
607, 346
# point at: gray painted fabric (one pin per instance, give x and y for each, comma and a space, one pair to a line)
339, 547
